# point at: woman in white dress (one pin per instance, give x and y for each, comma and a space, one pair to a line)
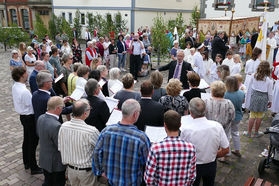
106, 51
187, 52
30, 59
198, 60
114, 82
271, 41
252, 65
66, 49
207, 66
236, 68
275, 95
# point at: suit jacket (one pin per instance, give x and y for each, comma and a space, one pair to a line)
39, 102
32, 81
183, 77
152, 113
189, 39
218, 47
99, 113
50, 158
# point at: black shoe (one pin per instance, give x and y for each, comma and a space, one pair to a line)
26, 167
36, 171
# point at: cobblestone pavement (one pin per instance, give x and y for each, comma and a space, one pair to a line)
12, 170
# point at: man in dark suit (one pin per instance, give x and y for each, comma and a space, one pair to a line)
99, 113
39, 65
42, 95
191, 39
152, 112
219, 46
178, 69
48, 128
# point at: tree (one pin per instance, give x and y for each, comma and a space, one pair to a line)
40, 28
108, 26
90, 22
13, 35
195, 16
179, 21
77, 24
53, 26
119, 22
67, 29
161, 43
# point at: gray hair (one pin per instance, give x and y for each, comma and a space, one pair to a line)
220, 32
80, 107
38, 63
43, 77
114, 73
101, 68
129, 107
197, 107
91, 86
89, 43
66, 57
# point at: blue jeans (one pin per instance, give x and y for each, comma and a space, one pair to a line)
121, 60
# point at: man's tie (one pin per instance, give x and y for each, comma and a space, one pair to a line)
88, 36
176, 70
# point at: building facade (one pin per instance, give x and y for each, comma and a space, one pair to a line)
22, 12
243, 8
137, 13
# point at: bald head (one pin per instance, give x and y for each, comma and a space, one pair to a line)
80, 107
129, 108
39, 65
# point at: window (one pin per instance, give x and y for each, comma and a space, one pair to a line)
259, 5
43, 12
70, 18
25, 19
13, 15
223, 4
82, 19
63, 15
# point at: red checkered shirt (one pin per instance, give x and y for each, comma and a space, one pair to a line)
171, 162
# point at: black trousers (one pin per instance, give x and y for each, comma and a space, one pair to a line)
207, 173
135, 62
54, 178
30, 140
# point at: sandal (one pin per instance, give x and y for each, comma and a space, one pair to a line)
246, 134
258, 134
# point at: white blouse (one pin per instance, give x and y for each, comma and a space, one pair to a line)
263, 86
251, 66
236, 69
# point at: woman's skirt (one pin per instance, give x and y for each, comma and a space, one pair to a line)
258, 101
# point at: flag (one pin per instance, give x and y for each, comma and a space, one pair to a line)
261, 41
175, 33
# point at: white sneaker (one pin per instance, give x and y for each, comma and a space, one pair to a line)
123, 70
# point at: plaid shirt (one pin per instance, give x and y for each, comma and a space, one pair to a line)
121, 153
171, 162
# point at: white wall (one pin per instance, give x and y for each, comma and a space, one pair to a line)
168, 4
100, 3
241, 10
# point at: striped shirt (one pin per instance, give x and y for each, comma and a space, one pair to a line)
121, 153
76, 142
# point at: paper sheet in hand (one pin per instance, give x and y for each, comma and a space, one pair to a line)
205, 96
101, 82
115, 117
203, 84
59, 78
115, 88
155, 134
111, 102
77, 94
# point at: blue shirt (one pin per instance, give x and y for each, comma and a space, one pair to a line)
237, 99
121, 153
174, 52
16, 63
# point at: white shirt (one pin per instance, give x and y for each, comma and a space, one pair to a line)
66, 49
198, 65
137, 48
76, 143
235, 69
106, 44
229, 62
263, 86
251, 66
80, 84
22, 99
207, 136
45, 91
86, 34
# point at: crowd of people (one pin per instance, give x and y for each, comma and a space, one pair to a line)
94, 153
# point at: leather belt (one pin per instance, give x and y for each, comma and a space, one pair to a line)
76, 168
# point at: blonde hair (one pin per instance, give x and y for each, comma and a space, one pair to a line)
238, 57
218, 89
93, 64
174, 87
54, 102
239, 78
